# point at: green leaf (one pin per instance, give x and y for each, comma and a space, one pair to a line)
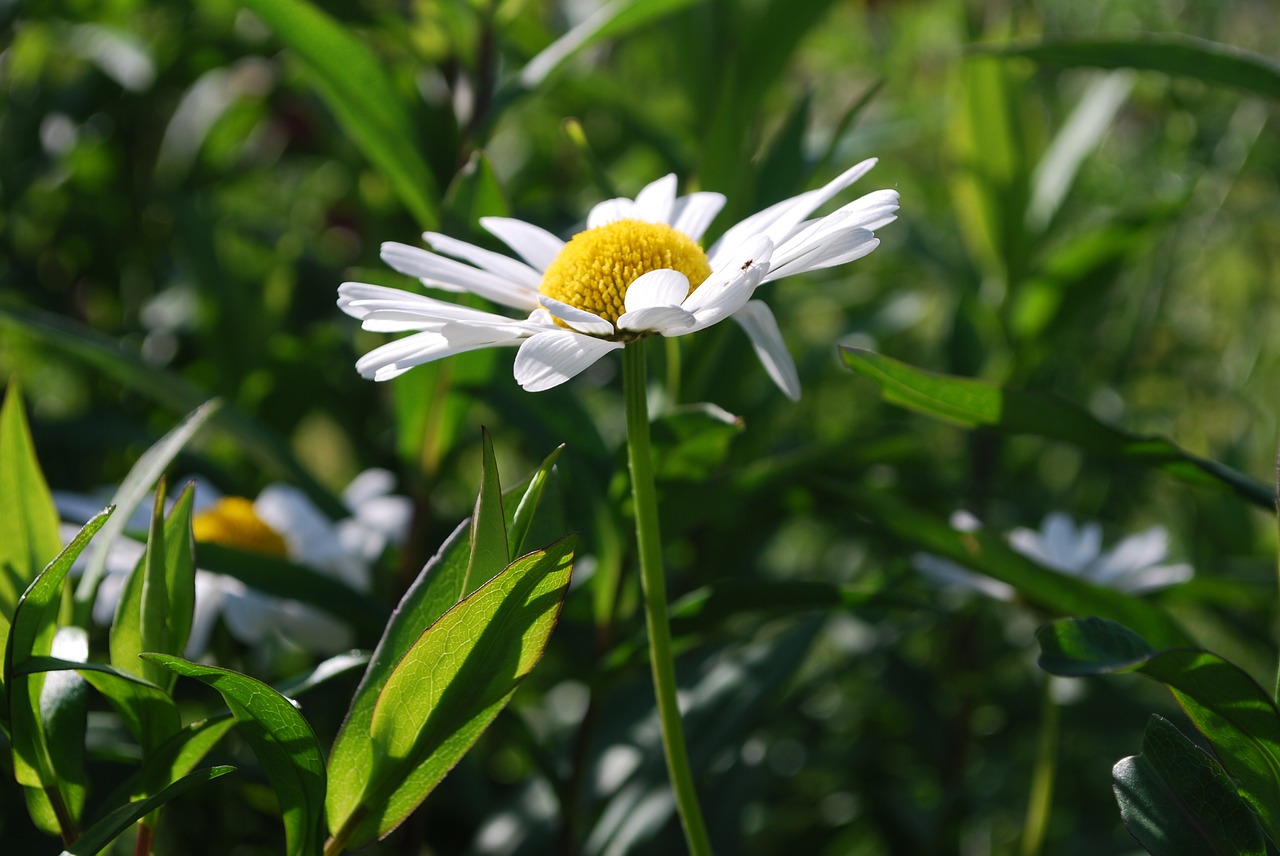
450, 685
973, 403
1220, 699
283, 741
691, 441
54, 795
99, 836
352, 81
1171, 53
1177, 801
709, 605
475, 192
522, 518
28, 519
146, 709
987, 553
129, 495
489, 550
168, 389
157, 603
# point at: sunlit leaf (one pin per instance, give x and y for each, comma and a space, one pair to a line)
972, 403
353, 83
1177, 801
449, 686
54, 795
1236, 715
521, 519
489, 550
283, 741
1171, 53
99, 836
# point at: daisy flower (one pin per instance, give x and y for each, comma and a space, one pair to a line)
1135, 565
637, 270
283, 522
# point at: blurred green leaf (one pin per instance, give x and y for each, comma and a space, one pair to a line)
54, 795
171, 391
972, 403
1236, 715
476, 192
146, 709
692, 441
987, 553
1177, 801
283, 741
28, 519
99, 836
352, 80
705, 607
157, 603
489, 550
1171, 53
785, 168
450, 685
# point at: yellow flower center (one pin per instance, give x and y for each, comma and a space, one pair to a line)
595, 268
232, 522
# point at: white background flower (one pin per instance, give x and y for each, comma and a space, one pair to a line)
565, 328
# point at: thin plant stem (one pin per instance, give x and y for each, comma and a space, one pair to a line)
653, 582
1040, 800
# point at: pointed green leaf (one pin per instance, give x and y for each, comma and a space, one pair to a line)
988, 553
1177, 801
451, 684
1236, 715
352, 81
99, 836
28, 519
489, 550
53, 794
283, 741
972, 403
130, 494
522, 517
146, 709
1171, 53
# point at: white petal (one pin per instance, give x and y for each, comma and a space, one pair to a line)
656, 288
655, 202
390, 310
369, 485
249, 614
579, 319
1154, 577
730, 287
495, 263
289, 511
610, 211
667, 320
692, 214
835, 250
395, 358
440, 272
532, 243
761, 327
551, 358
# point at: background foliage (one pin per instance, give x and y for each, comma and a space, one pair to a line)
182, 188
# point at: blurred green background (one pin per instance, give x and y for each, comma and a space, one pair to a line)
183, 187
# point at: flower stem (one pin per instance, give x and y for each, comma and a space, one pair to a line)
653, 582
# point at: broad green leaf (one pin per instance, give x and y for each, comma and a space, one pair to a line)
99, 836
28, 519
973, 403
54, 795
283, 741
1220, 699
1171, 53
157, 603
353, 83
282, 578
451, 684
146, 709
168, 389
489, 550
130, 494
1177, 801
987, 553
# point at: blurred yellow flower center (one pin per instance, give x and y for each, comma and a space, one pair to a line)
232, 522
595, 268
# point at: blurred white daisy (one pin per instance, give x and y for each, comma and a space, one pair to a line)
1135, 565
281, 522
637, 270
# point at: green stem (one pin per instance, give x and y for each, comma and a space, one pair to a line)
1040, 800
653, 582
